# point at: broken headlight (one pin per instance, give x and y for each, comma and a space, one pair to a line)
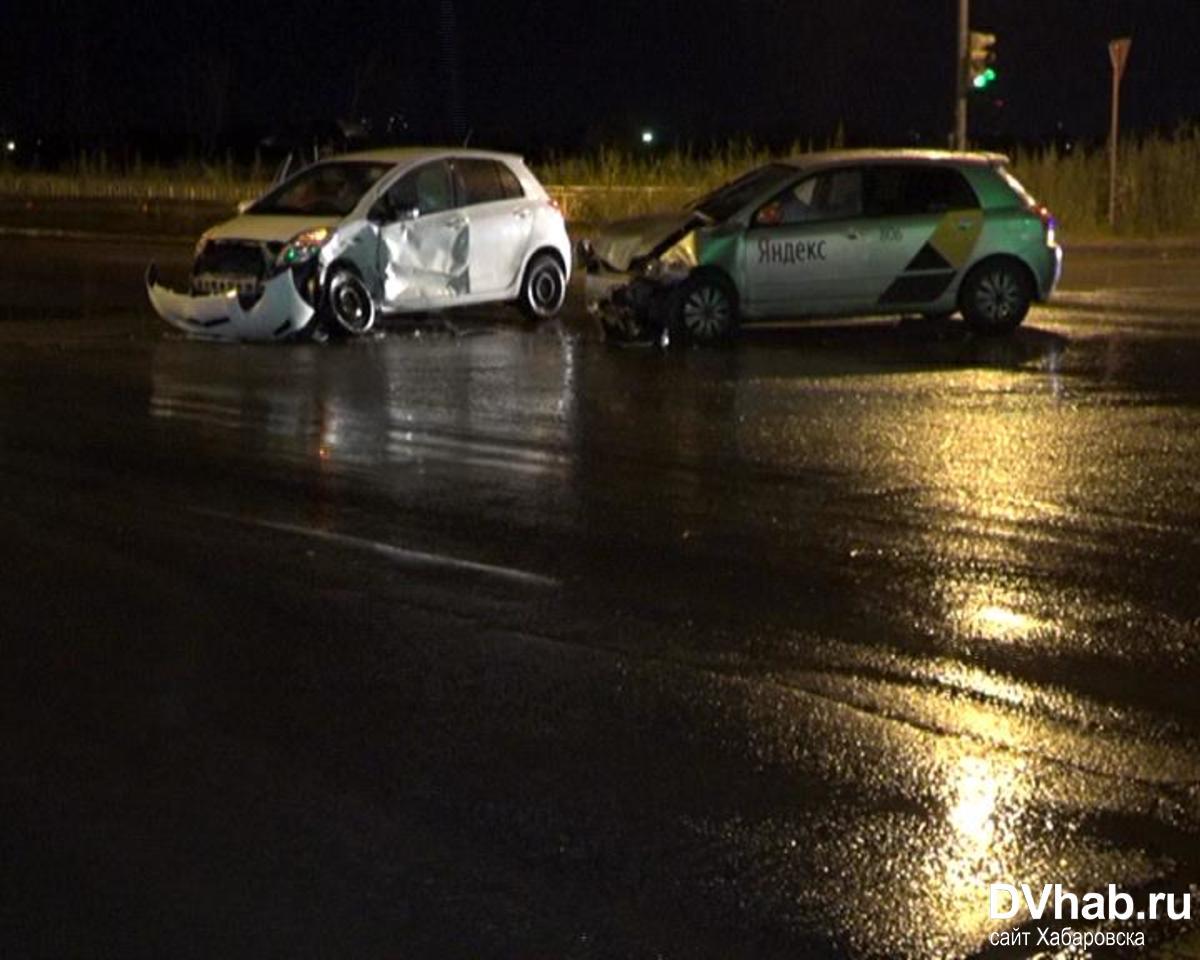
651, 267
304, 246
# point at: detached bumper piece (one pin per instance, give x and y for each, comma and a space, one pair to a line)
279, 313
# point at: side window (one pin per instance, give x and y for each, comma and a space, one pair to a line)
424, 190
479, 181
885, 192
834, 195
914, 190
938, 189
509, 183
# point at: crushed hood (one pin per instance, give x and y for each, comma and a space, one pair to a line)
266, 228
619, 244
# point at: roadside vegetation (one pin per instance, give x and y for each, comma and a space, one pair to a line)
1158, 187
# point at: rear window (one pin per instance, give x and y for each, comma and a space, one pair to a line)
908, 190
508, 180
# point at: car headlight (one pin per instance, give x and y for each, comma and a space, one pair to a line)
200, 245
302, 247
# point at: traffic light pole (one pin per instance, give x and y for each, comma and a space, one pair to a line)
960, 109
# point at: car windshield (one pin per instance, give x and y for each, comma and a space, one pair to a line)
731, 197
324, 189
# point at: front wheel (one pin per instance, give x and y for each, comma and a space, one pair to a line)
704, 309
995, 296
544, 288
349, 308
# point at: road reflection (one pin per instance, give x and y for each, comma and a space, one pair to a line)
884, 535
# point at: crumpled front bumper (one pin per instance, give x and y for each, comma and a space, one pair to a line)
279, 312
628, 306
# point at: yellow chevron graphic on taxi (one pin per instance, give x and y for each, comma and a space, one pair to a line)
956, 236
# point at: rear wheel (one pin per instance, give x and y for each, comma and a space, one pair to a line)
995, 296
348, 307
704, 309
544, 288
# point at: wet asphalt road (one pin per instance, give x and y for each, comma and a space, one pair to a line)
475, 640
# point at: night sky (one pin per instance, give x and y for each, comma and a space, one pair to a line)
169, 77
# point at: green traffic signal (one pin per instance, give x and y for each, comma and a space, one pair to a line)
980, 57
985, 79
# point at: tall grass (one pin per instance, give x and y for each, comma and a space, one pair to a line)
97, 176
1158, 185
1158, 188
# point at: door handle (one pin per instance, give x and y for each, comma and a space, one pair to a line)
457, 222
965, 224
522, 214
852, 234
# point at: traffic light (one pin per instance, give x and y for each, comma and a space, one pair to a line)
980, 59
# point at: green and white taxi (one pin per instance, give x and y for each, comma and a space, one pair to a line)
847, 233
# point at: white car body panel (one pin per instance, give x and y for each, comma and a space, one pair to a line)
499, 233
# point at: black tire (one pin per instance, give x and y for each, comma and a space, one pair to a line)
704, 310
995, 296
347, 307
543, 289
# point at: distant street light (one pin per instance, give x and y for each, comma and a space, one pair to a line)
647, 137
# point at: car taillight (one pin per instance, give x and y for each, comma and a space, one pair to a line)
1048, 223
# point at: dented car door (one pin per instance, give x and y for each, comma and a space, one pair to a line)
424, 245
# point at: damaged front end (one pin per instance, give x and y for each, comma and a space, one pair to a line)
631, 270
280, 308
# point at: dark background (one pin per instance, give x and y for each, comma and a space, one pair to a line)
170, 78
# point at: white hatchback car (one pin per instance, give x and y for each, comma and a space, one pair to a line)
384, 231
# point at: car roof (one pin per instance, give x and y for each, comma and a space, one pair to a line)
397, 155
832, 158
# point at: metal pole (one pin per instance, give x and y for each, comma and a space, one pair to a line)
1118, 53
960, 109
1112, 146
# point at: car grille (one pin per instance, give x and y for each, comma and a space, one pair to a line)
240, 265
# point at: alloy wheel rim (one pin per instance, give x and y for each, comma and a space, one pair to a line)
706, 311
998, 297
